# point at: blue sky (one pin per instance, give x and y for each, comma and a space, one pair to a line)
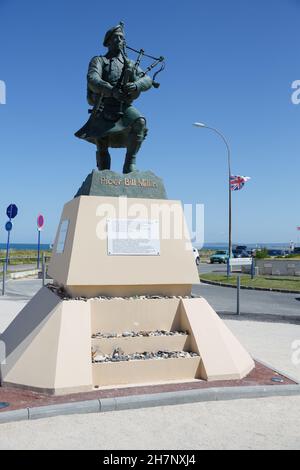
229, 63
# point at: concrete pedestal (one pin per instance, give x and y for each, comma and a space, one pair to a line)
50, 344
85, 268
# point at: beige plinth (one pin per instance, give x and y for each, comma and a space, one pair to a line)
50, 346
49, 343
86, 269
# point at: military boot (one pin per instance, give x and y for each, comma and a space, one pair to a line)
129, 164
103, 160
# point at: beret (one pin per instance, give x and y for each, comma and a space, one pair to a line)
110, 32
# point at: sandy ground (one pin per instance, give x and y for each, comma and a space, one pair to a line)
266, 423
239, 424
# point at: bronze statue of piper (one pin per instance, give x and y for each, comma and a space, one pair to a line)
113, 83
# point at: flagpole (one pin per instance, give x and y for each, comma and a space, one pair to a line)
199, 124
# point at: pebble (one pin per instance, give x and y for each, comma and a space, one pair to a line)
134, 334
61, 292
118, 355
99, 358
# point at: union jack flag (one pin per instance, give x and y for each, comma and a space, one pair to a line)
237, 182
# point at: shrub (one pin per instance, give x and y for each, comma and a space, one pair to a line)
262, 254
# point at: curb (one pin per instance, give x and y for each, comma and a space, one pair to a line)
150, 400
22, 274
261, 317
88, 406
263, 289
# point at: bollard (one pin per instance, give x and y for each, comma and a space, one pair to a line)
3, 278
253, 269
43, 269
238, 289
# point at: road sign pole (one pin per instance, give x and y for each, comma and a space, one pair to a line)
228, 267
7, 249
44, 269
39, 244
3, 279
238, 289
40, 225
11, 213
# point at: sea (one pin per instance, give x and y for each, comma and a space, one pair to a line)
224, 245
207, 246
25, 246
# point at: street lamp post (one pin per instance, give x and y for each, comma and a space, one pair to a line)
200, 124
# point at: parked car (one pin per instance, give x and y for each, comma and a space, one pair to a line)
196, 255
251, 252
277, 252
241, 254
221, 256
240, 248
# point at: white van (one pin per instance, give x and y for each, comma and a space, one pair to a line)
197, 257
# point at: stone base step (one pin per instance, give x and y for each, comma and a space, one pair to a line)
131, 345
145, 371
135, 315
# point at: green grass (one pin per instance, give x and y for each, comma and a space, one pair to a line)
284, 283
205, 255
17, 257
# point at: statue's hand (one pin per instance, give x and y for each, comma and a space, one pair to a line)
118, 94
129, 88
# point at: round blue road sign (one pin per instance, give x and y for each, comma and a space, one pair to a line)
8, 226
11, 211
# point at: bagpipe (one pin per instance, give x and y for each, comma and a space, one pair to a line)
130, 71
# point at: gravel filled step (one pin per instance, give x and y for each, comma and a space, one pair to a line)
134, 334
138, 342
119, 355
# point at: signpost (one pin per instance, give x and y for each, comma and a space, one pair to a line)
8, 226
240, 262
238, 290
11, 213
3, 279
40, 225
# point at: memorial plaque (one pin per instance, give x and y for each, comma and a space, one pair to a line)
138, 184
133, 237
62, 236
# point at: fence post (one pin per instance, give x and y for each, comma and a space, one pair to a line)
44, 269
3, 278
238, 289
